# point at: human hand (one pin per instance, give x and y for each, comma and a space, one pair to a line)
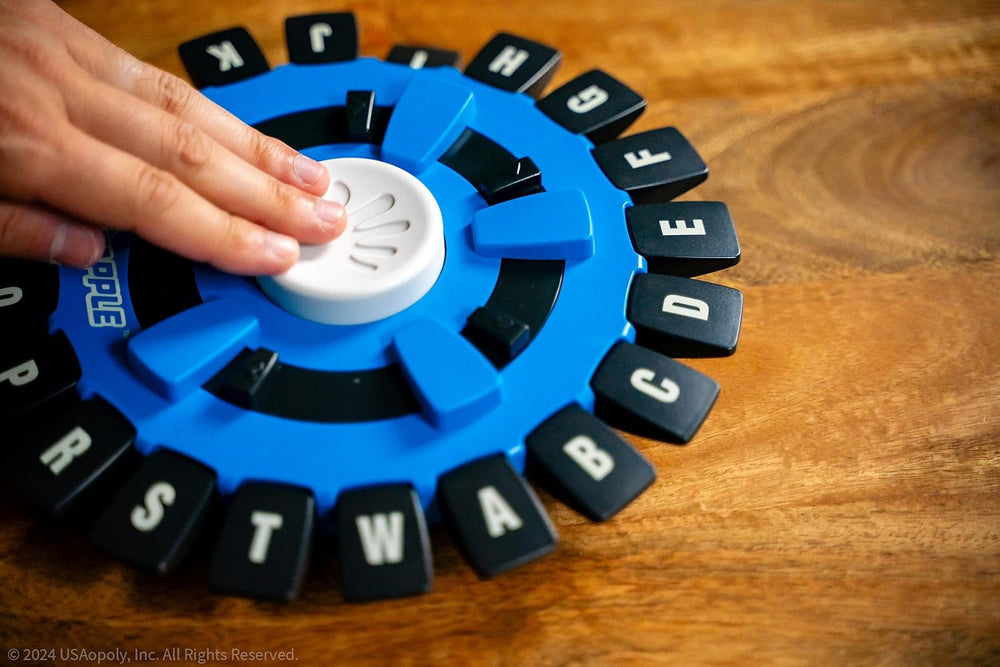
92, 137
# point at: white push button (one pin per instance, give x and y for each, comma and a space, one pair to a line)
389, 256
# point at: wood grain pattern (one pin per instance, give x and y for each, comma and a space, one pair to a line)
842, 502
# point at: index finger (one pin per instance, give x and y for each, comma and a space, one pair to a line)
270, 155
119, 68
101, 183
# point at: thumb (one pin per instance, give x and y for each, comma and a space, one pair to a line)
31, 232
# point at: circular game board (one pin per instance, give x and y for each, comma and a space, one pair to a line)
510, 269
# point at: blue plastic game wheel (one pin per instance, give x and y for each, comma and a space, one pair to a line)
485, 301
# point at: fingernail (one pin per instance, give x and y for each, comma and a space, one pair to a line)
76, 245
306, 170
284, 248
331, 213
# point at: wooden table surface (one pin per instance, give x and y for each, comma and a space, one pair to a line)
842, 502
